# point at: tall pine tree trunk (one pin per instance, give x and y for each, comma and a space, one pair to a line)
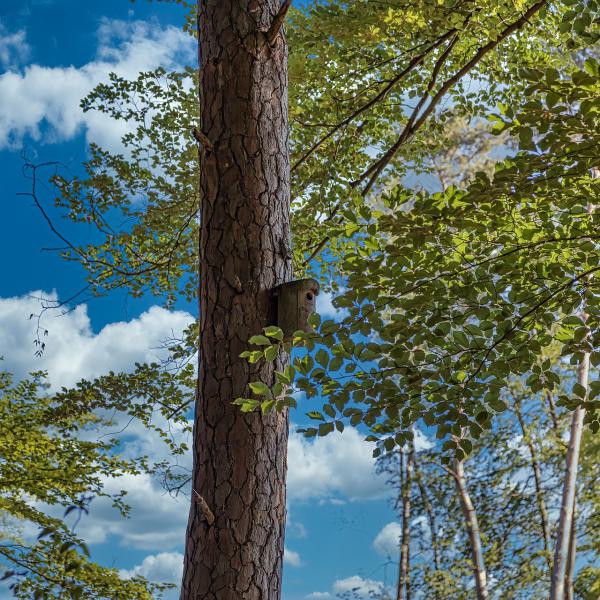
235, 535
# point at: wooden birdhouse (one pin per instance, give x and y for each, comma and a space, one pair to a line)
296, 301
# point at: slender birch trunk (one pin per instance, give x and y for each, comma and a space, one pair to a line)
472, 525
403, 590
570, 576
565, 534
430, 515
565, 523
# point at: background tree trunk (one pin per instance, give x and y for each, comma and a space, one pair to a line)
537, 475
565, 535
429, 510
565, 523
239, 459
570, 574
403, 589
472, 525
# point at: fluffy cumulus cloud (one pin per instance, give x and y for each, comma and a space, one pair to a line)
291, 558
43, 102
333, 466
157, 520
14, 48
326, 308
337, 467
165, 567
361, 588
388, 539
73, 351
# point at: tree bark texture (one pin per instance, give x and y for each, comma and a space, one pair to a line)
239, 459
472, 525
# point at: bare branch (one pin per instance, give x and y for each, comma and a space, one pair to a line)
414, 124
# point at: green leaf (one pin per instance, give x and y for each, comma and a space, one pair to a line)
259, 340
315, 415
271, 353
260, 388
322, 358
273, 332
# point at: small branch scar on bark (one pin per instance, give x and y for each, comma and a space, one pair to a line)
284, 249
202, 140
208, 514
238, 285
278, 22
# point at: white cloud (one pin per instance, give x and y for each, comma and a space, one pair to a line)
338, 464
43, 102
14, 48
157, 519
318, 595
73, 351
291, 558
421, 441
165, 567
326, 308
363, 588
387, 541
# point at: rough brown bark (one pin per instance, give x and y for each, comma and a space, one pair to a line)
406, 477
239, 459
472, 525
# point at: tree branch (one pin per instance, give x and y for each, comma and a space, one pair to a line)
278, 22
414, 124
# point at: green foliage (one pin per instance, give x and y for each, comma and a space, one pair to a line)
510, 508
386, 79
45, 461
152, 189
449, 293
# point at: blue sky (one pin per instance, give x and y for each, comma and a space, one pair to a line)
52, 52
